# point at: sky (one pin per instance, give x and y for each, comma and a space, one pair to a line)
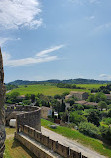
55, 39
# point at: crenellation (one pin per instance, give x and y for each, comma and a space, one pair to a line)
55, 146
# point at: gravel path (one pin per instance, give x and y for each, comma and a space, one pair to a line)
71, 143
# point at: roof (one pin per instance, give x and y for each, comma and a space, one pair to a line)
75, 92
83, 102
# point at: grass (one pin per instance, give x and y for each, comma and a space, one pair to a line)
51, 90
92, 143
90, 86
14, 148
44, 89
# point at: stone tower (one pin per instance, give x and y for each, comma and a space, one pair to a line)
2, 114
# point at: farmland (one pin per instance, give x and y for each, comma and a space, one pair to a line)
51, 90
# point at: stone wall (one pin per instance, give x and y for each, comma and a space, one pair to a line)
62, 150
2, 111
24, 115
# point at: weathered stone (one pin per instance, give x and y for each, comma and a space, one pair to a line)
2, 111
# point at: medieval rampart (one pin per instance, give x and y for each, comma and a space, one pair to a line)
25, 115
55, 146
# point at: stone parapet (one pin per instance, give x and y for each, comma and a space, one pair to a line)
55, 146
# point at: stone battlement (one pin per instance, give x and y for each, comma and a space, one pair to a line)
55, 146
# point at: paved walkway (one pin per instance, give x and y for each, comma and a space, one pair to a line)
71, 143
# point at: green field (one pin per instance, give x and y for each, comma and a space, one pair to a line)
92, 143
90, 86
50, 89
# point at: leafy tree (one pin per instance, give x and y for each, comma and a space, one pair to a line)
109, 113
100, 97
94, 117
109, 106
91, 98
27, 96
78, 107
76, 118
64, 94
71, 101
62, 106
88, 129
106, 133
107, 121
57, 96
13, 97
26, 102
32, 98
102, 105
65, 117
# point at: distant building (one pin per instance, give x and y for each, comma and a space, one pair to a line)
45, 112
68, 96
78, 95
108, 96
83, 102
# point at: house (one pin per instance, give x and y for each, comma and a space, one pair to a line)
68, 96
45, 112
83, 102
78, 95
108, 96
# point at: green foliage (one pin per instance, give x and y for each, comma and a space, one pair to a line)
57, 96
12, 98
109, 113
71, 101
76, 118
65, 117
78, 107
32, 98
102, 105
109, 106
107, 121
89, 129
71, 86
94, 117
26, 102
106, 133
10, 87
94, 144
91, 98
100, 97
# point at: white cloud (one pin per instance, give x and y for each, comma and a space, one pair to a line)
103, 27
105, 76
45, 52
3, 40
38, 58
19, 13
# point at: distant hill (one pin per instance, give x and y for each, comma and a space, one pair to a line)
70, 81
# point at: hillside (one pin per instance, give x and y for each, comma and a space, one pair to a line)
70, 81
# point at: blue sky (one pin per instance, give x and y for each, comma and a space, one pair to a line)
56, 39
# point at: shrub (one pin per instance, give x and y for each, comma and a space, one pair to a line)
76, 118
106, 133
88, 129
78, 107
109, 113
107, 121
